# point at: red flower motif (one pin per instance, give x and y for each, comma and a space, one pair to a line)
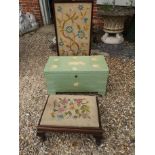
61, 109
78, 101
65, 100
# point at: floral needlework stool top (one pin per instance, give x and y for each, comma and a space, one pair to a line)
71, 110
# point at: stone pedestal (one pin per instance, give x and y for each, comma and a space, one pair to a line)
117, 39
114, 24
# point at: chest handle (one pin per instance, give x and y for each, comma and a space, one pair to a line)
75, 76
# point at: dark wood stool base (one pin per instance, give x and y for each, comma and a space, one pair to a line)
98, 139
42, 135
96, 132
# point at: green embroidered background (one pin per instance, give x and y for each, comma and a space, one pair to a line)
73, 23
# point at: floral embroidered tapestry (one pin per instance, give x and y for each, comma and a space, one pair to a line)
71, 110
65, 108
73, 24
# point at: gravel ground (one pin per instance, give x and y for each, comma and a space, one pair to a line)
125, 49
116, 108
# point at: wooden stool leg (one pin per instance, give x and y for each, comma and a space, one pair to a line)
98, 139
101, 93
41, 135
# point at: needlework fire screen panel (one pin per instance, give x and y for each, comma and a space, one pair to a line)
73, 26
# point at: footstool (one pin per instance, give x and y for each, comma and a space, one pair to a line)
70, 113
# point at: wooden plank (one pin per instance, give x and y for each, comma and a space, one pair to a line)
80, 63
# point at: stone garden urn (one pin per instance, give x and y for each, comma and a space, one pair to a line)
114, 23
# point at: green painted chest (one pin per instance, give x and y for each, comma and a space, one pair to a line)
76, 74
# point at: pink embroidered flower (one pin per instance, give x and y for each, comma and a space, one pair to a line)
78, 101
61, 109
64, 100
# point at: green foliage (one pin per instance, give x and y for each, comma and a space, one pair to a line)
106, 7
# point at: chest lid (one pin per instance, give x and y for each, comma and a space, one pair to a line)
76, 64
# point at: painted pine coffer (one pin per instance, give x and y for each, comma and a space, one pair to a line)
76, 74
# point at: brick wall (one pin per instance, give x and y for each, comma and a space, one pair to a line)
97, 21
33, 7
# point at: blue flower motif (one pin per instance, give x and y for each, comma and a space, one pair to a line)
81, 34
60, 116
69, 29
61, 43
80, 7
85, 19
59, 9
